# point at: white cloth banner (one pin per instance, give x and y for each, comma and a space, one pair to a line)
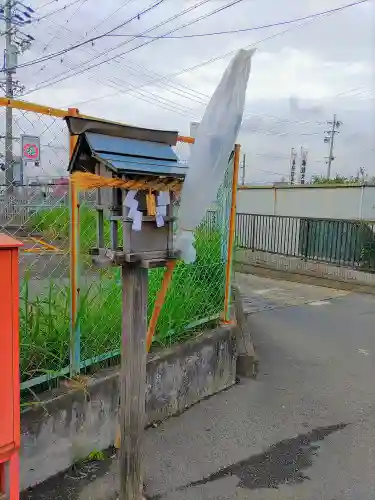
214, 142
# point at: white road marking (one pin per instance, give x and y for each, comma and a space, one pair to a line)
263, 292
365, 352
319, 303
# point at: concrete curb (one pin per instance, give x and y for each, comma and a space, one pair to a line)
247, 361
294, 276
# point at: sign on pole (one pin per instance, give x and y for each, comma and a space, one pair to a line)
30, 148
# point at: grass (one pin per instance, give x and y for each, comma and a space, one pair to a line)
55, 225
196, 292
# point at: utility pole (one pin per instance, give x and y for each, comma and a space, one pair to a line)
293, 157
243, 170
15, 14
330, 139
303, 165
9, 95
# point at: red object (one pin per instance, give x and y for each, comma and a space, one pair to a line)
9, 363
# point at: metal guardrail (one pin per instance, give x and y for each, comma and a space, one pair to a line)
342, 242
17, 209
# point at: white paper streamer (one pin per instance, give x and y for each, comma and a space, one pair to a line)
137, 221
162, 210
129, 198
159, 220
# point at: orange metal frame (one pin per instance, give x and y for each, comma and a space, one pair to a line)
74, 263
9, 362
232, 230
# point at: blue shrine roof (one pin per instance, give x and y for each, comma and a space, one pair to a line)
125, 155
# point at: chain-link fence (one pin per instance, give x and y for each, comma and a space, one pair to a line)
35, 208
195, 296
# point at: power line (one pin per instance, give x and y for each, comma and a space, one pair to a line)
166, 36
162, 104
53, 12
244, 127
190, 91
102, 21
244, 30
47, 82
222, 56
93, 39
48, 3
65, 77
177, 91
181, 90
192, 68
259, 130
82, 3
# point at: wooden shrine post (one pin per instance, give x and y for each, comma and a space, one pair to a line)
133, 379
136, 174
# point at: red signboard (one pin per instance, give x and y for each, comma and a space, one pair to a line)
31, 151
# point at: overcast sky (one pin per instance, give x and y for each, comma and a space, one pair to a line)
299, 78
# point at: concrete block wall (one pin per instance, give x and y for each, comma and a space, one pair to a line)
71, 422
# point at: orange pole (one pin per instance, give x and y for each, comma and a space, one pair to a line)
74, 294
184, 138
232, 231
159, 302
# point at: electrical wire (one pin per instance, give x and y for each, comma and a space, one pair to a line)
52, 13
97, 54
142, 97
102, 21
245, 30
175, 88
56, 34
222, 56
177, 92
95, 65
173, 104
182, 93
47, 3
166, 36
90, 40
82, 3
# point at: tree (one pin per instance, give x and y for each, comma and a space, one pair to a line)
338, 179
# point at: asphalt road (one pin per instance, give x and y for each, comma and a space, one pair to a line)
304, 430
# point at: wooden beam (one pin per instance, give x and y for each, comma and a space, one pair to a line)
133, 380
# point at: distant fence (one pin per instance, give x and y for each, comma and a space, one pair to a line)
19, 205
348, 243
23, 202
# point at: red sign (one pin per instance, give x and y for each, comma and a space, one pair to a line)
31, 151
